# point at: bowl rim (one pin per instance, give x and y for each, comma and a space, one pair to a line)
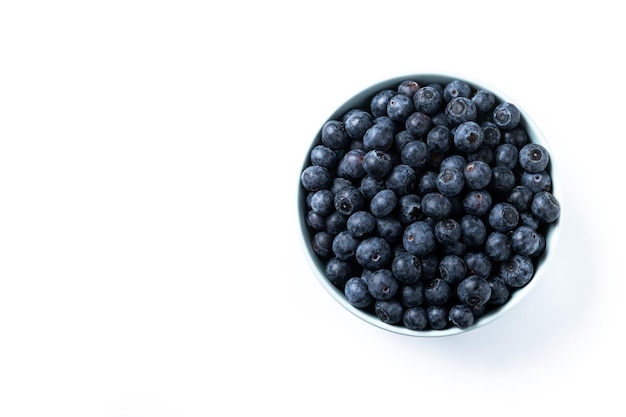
552, 235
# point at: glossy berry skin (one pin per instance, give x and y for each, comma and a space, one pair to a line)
477, 175
506, 116
361, 223
526, 241
498, 246
447, 231
437, 292
407, 268
380, 136
373, 253
399, 107
338, 271
324, 156
412, 295
400, 139
323, 202
473, 230
503, 217
428, 100
408, 88
452, 269
418, 124
401, 179
378, 105
377, 163
468, 137
356, 122
484, 100
437, 317
520, 197
315, 178
461, 316
349, 200
371, 185
545, 207
389, 311
382, 285
474, 291
536, 182
436, 205
344, 245
533, 157
477, 202
478, 264
459, 110
456, 88
499, 291
356, 292
383, 203
322, 244
415, 318
389, 228
453, 161
419, 238
334, 135
517, 271
415, 154
350, 165
439, 139
450, 181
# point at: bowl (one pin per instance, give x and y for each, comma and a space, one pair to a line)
484, 315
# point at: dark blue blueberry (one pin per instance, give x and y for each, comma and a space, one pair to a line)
517, 271
338, 271
485, 101
428, 100
366, 274
387, 122
409, 208
457, 248
447, 231
323, 202
474, 291
506, 155
380, 136
383, 203
506, 116
427, 182
382, 284
456, 88
322, 244
371, 185
339, 183
502, 180
533, 157
460, 110
503, 217
437, 317
324, 156
415, 154
336, 222
418, 124
415, 318
401, 179
349, 200
468, 136
545, 207
419, 238
389, 228
477, 202
484, 154
528, 219
436, 205
492, 134
407, 268
356, 122
440, 119
461, 316
373, 253
439, 139
377, 163
389, 311
536, 182
430, 266
408, 88
361, 224
452, 268
344, 245
478, 264
520, 197
378, 105
473, 230
526, 241
334, 135
437, 292
399, 107
450, 181
315, 220
477, 175
453, 161
351, 164
356, 293
516, 137
499, 291
315, 177
498, 246
400, 139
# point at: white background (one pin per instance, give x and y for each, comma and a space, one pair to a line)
150, 263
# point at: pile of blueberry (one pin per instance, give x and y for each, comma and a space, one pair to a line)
429, 205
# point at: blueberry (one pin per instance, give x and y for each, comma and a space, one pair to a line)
447, 231
336, 222
324, 156
478, 264
356, 293
436, 205
339, 183
400, 139
459, 110
389, 228
456, 88
373, 253
457, 248
484, 100
477, 202
439, 139
334, 135
461, 316
322, 244
498, 246
344, 245
338, 271
407, 268
415, 318
499, 291
412, 295
377, 163
427, 182
380, 136
389, 311
401, 179
428, 100
371, 185
536, 182
477, 175
473, 230
383, 203
323, 202
502, 180
356, 122
533, 157
382, 285
418, 124
517, 271
450, 181
506, 116
468, 136
516, 137
315, 177
351, 164
415, 154
483, 154
528, 219
437, 317
378, 104
430, 265
361, 223
437, 292
409, 208
408, 88
452, 268
349, 200
520, 197
315, 221
503, 217
419, 238
492, 133
526, 241
474, 291
545, 207
440, 119
399, 107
